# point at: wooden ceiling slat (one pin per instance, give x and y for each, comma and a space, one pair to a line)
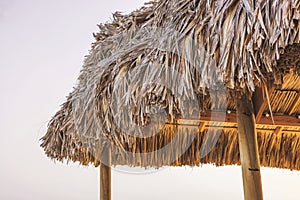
295, 104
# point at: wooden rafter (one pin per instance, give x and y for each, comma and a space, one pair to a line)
295, 104
260, 101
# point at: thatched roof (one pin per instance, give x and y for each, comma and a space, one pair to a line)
153, 76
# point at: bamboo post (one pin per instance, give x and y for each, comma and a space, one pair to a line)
105, 176
249, 149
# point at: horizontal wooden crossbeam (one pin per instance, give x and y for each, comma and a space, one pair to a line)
209, 118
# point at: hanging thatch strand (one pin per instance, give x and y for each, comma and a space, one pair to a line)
167, 61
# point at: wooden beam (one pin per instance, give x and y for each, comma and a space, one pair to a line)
202, 126
208, 117
260, 101
280, 120
295, 104
249, 150
105, 175
233, 128
278, 130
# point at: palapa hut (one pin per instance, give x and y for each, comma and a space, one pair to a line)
188, 82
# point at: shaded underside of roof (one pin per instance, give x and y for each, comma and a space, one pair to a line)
188, 58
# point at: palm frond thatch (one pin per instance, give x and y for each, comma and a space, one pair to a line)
176, 54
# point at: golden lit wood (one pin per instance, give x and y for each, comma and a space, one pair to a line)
295, 104
278, 130
231, 119
260, 101
202, 126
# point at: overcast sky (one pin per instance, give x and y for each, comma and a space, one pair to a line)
42, 47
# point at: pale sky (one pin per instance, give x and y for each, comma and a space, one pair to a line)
42, 47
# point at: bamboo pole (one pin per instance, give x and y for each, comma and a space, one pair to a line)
249, 150
105, 176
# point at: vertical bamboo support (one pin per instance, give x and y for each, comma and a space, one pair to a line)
249, 150
105, 175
